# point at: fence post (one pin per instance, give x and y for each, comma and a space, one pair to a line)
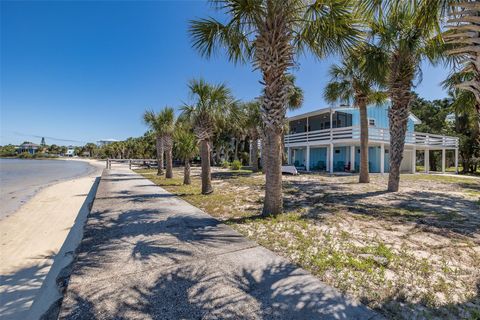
106, 163
130, 164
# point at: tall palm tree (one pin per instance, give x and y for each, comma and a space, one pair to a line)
163, 123
352, 81
253, 125
210, 102
269, 34
408, 32
186, 147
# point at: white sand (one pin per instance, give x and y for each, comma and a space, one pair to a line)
31, 240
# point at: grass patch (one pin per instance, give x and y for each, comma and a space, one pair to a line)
398, 252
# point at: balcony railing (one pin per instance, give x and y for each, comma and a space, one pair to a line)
374, 134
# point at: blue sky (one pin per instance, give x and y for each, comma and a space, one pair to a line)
84, 71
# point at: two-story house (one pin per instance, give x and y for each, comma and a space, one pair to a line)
329, 140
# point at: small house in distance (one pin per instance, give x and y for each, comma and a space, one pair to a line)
70, 151
29, 147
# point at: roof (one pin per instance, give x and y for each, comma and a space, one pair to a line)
412, 117
29, 145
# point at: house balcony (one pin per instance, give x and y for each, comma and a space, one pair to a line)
351, 135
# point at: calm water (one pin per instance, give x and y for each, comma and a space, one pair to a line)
20, 179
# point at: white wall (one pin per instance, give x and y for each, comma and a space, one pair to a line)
406, 165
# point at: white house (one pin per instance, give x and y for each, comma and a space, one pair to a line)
329, 140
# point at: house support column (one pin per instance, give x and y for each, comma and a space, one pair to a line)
414, 160
289, 156
330, 158
426, 161
382, 158
307, 160
352, 158
443, 160
456, 160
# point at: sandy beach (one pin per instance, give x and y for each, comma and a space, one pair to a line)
38, 240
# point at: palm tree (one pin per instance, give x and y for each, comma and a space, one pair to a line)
351, 81
269, 34
407, 32
186, 147
253, 125
210, 102
464, 38
163, 123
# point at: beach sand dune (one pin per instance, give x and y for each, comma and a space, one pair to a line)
42, 233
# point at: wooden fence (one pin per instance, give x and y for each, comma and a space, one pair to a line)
129, 161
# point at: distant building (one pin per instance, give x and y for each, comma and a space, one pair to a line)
29, 147
70, 151
104, 142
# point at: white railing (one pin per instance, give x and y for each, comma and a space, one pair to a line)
374, 134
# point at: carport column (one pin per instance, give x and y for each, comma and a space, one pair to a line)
289, 157
307, 162
330, 158
443, 160
426, 161
414, 160
456, 160
352, 158
382, 158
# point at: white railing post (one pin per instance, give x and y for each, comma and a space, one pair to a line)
456, 160
352, 158
414, 159
330, 160
443, 160
427, 160
307, 161
382, 158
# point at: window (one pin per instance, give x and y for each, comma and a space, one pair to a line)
371, 122
337, 151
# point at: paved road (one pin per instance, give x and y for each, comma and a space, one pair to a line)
147, 254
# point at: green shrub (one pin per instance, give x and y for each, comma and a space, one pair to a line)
236, 165
40, 155
245, 157
25, 155
226, 164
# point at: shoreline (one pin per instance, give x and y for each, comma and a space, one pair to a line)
37, 239
30, 191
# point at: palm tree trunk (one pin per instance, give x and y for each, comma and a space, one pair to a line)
168, 156
186, 173
398, 116
364, 176
254, 155
400, 85
159, 144
284, 155
206, 174
218, 149
235, 156
273, 203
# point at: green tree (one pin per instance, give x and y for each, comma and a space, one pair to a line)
407, 32
162, 124
352, 81
186, 147
210, 102
8, 150
253, 125
270, 34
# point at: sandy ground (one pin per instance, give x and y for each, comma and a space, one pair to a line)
37, 241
